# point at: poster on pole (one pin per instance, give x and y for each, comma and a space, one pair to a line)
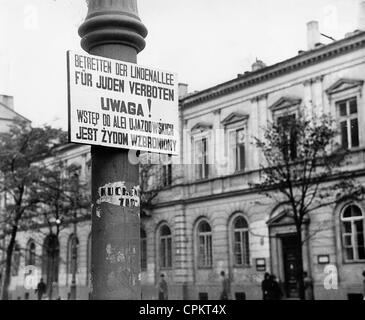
117, 104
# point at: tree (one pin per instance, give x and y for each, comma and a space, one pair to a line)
63, 196
155, 174
305, 169
21, 169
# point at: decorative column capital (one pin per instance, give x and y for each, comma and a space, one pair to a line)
307, 82
259, 97
313, 80
112, 22
318, 78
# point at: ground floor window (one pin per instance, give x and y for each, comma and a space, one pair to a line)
204, 240
352, 221
165, 241
72, 254
241, 246
50, 260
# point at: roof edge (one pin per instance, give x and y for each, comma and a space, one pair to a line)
298, 62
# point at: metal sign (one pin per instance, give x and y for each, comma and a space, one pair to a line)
118, 104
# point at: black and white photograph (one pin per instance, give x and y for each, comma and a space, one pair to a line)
182, 151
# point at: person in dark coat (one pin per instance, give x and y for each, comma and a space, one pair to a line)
265, 286
226, 287
308, 286
275, 291
41, 289
162, 288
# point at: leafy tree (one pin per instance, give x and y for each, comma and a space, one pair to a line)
155, 174
63, 196
305, 169
22, 149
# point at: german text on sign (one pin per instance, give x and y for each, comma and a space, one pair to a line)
122, 105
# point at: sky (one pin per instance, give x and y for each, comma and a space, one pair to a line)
205, 42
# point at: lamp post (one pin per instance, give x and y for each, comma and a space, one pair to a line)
112, 29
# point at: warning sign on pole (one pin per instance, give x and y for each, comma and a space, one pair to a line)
118, 104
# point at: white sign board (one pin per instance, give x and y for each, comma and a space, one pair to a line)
118, 104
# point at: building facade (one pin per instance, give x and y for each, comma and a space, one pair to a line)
38, 254
208, 218
8, 113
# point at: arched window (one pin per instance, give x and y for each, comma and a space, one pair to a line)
204, 241
50, 260
30, 254
241, 247
165, 247
143, 250
16, 260
72, 257
352, 220
88, 261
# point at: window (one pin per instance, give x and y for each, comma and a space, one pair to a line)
240, 296
241, 248
201, 158
204, 240
237, 149
72, 256
165, 247
16, 260
167, 172
352, 220
50, 259
30, 257
143, 250
286, 125
348, 121
203, 296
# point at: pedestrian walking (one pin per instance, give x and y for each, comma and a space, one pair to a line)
308, 286
274, 291
226, 287
41, 289
265, 286
162, 288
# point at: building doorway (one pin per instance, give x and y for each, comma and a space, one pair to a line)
290, 264
50, 261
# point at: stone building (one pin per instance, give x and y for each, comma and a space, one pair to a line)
7, 113
207, 218
34, 247
210, 219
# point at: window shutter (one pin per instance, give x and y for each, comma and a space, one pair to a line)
354, 133
344, 138
205, 158
353, 106
232, 152
242, 157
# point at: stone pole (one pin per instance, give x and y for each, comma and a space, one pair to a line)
112, 29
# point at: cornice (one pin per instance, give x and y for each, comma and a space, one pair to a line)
259, 97
239, 192
285, 102
299, 62
234, 117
